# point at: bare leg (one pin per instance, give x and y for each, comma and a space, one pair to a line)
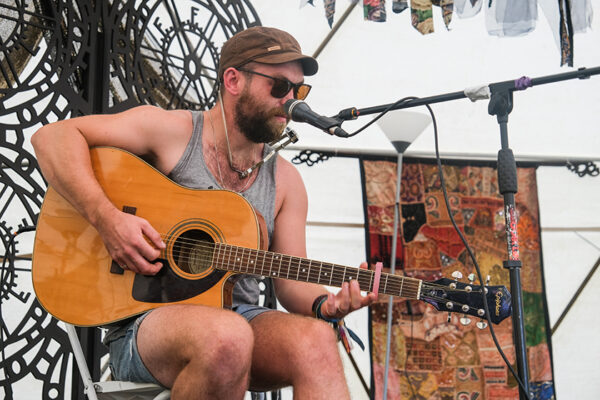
298, 351
199, 352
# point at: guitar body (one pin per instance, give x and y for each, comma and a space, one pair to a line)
74, 277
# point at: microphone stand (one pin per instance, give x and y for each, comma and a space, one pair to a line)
500, 105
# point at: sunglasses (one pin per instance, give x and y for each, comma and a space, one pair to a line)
282, 86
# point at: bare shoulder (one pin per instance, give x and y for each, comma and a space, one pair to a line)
158, 135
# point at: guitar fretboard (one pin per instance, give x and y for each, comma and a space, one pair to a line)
264, 263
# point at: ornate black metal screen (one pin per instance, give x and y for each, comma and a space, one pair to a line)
64, 58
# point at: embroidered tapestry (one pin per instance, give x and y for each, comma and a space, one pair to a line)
434, 356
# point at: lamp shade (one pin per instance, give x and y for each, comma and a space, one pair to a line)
403, 127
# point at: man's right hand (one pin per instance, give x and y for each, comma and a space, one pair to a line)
131, 241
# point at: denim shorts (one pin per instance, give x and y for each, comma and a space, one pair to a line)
125, 361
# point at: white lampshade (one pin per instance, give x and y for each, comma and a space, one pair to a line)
403, 127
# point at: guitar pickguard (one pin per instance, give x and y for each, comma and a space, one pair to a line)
166, 286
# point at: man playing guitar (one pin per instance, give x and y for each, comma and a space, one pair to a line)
204, 352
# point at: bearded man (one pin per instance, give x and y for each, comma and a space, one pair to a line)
202, 352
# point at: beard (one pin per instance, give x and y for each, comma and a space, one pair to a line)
255, 122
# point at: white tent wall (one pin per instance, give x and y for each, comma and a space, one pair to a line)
367, 64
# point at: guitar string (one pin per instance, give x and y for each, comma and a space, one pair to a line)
295, 264
336, 276
299, 260
404, 286
211, 246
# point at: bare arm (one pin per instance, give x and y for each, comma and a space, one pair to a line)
62, 150
289, 237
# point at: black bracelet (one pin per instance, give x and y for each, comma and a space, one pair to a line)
317, 305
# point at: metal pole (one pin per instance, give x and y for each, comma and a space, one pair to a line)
392, 271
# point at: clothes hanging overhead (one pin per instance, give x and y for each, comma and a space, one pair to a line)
422, 14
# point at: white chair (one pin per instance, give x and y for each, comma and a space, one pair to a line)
111, 390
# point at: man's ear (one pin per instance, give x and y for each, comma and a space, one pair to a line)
233, 81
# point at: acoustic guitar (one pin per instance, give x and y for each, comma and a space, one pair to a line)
211, 237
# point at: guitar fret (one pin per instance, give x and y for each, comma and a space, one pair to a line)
401, 286
371, 288
320, 268
273, 258
280, 258
386, 282
262, 264
252, 260
289, 267
215, 255
235, 259
331, 274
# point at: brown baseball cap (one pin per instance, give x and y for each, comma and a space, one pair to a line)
263, 45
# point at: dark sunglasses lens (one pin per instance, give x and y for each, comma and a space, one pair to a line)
280, 88
301, 91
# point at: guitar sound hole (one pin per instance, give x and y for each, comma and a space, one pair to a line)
193, 251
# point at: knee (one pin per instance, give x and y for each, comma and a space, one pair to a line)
317, 343
228, 353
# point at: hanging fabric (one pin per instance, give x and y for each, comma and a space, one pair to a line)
374, 10
422, 14
399, 5
329, 11
467, 8
510, 17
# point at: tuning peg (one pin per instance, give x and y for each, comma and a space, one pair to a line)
487, 282
456, 275
482, 325
471, 277
464, 319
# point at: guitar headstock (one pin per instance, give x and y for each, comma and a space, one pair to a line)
452, 296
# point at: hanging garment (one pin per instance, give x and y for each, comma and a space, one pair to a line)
510, 17
399, 5
581, 19
467, 8
329, 11
374, 10
422, 14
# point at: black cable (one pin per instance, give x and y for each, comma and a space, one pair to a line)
381, 114
471, 254
460, 234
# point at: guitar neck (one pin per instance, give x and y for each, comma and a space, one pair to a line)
274, 265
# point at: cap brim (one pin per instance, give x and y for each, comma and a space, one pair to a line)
310, 66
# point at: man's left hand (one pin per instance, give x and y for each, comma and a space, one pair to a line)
346, 300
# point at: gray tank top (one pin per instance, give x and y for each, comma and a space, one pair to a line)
191, 171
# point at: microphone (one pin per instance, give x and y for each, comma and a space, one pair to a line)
299, 111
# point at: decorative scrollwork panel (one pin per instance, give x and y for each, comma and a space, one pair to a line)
65, 58
166, 53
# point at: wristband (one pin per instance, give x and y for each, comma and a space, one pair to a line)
316, 306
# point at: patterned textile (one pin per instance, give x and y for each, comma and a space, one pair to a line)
422, 13
566, 33
431, 357
329, 11
374, 10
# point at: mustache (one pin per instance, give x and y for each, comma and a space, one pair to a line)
277, 112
